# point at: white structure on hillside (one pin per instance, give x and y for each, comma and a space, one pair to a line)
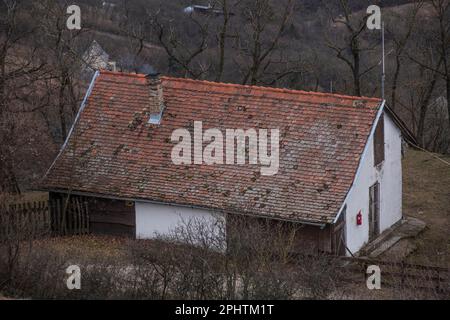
95, 58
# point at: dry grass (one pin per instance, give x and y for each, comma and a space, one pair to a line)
88, 247
34, 196
426, 196
30, 197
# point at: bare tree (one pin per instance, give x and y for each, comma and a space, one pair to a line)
401, 35
63, 55
258, 42
183, 50
439, 38
223, 34
19, 68
351, 47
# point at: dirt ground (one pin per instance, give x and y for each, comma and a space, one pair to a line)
426, 196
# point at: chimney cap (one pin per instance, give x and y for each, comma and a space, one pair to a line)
153, 74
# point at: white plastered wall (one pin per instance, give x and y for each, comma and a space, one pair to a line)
153, 220
389, 175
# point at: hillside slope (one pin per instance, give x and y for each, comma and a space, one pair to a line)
426, 196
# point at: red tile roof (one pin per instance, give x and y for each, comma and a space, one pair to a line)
114, 152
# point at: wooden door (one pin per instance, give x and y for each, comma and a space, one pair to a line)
374, 211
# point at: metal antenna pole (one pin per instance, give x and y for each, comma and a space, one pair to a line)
383, 75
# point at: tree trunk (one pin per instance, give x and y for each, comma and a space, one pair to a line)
356, 68
61, 106
222, 39
8, 180
394, 83
424, 108
448, 100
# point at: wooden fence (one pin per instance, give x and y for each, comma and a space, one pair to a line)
26, 220
398, 275
57, 217
69, 217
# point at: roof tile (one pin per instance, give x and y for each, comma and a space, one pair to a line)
113, 151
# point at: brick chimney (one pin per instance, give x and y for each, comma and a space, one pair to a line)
156, 97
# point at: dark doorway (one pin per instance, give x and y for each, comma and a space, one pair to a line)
339, 242
374, 211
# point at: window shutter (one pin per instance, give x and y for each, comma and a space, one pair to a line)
379, 142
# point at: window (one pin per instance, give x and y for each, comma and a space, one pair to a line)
155, 118
378, 142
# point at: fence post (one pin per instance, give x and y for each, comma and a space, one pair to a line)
86, 216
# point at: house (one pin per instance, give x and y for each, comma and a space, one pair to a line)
339, 174
95, 58
108, 9
205, 10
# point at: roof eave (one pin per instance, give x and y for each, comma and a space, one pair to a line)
407, 134
316, 223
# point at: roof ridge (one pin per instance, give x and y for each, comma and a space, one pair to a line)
273, 89
123, 74
254, 87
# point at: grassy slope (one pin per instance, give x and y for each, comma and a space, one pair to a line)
426, 195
